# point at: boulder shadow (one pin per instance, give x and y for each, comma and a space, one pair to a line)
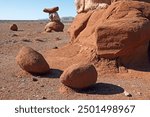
20, 30
52, 73
102, 89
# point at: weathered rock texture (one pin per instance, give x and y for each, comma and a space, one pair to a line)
79, 76
32, 61
55, 23
54, 26
119, 32
51, 10
14, 27
86, 5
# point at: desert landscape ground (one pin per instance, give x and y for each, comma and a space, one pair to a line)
17, 84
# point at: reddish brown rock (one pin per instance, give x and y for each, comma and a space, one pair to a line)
131, 0
14, 27
79, 76
51, 10
124, 28
32, 61
54, 26
115, 32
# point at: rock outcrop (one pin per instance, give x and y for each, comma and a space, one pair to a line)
79, 76
55, 24
32, 61
116, 32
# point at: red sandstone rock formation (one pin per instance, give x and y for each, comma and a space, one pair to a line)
55, 24
116, 32
51, 10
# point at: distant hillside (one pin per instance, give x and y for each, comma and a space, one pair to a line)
63, 19
67, 19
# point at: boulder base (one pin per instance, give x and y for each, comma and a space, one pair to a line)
54, 26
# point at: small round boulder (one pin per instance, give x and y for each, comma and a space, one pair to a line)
32, 61
14, 27
51, 10
79, 76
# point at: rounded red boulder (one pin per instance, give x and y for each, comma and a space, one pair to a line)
79, 76
32, 61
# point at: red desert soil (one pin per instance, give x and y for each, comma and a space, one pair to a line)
16, 84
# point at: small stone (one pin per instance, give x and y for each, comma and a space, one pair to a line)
57, 39
39, 40
44, 98
2, 88
55, 47
14, 27
26, 40
35, 79
14, 41
139, 93
127, 94
42, 85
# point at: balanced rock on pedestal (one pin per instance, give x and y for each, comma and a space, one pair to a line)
14, 27
55, 24
79, 76
32, 61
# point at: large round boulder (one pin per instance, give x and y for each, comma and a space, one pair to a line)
14, 27
79, 76
54, 26
32, 61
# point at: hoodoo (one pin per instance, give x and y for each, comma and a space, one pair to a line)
55, 24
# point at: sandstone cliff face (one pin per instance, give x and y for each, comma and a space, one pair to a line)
116, 32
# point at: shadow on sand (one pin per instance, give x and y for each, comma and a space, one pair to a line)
102, 89
52, 73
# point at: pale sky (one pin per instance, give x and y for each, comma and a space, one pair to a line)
33, 9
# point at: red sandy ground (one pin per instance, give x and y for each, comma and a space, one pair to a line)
16, 84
